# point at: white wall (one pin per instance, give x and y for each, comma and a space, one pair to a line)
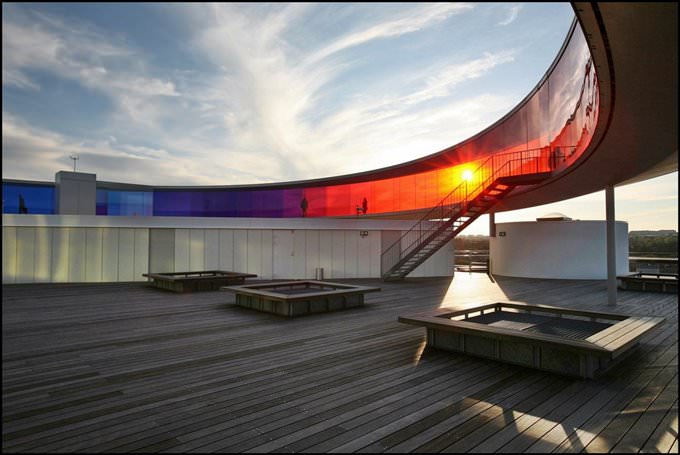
556, 249
440, 263
84, 249
73, 254
279, 253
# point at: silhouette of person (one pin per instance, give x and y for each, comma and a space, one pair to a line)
22, 205
364, 206
303, 206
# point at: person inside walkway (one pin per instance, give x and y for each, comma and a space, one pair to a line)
364, 206
22, 205
303, 206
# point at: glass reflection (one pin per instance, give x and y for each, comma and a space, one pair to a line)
31, 199
555, 125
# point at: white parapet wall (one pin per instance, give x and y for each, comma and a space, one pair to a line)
79, 248
556, 249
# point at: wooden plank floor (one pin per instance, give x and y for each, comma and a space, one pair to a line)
127, 368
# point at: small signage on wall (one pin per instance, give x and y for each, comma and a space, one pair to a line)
501, 234
363, 233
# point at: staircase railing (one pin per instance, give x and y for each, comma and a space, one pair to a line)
456, 203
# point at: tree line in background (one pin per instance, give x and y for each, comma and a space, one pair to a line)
638, 242
471, 242
646, 242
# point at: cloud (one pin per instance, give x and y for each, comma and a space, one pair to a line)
658, 189
18, 79
441, 84
410, 21
270, 99
72, 50
513, 12
34, 153
260, 112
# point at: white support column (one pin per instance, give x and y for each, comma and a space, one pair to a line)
611, 245
492, 233
492, 224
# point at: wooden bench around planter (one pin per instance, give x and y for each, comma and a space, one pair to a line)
209, 280
588, 342
649, 282
296, 298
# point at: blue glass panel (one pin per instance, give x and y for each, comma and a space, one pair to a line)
27, 198
268, 203
210, 203
102, 202
124, 203
228, 203
216, 203
244, 203
171, 203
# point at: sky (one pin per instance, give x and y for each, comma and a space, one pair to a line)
226, 94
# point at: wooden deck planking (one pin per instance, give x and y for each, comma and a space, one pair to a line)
421, 434
350, 421
339, 399
173, 407
638, 433
623, 375
665, 434
88, 369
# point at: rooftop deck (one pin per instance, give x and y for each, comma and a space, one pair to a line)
125, 367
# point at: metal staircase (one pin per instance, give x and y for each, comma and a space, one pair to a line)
487, 184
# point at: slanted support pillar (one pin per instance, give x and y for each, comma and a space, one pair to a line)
611, 245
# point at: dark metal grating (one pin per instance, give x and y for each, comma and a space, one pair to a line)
564, 327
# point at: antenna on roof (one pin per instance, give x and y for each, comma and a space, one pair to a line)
74, 158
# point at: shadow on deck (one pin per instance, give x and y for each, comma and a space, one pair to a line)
123, 367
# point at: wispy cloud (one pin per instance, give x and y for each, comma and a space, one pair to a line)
659, 189
512, 13
441, 84
34, 41
272, 95
17, 79
261, 114
36, 153
409, 22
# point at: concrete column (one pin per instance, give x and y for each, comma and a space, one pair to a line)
76, 193
611, 245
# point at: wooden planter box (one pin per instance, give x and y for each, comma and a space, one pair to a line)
649, 282
560, 340
210, 280
296, 298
